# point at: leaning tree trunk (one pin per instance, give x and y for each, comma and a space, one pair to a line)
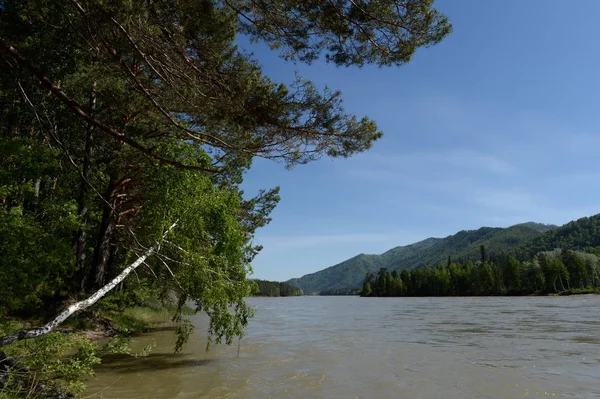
86, 303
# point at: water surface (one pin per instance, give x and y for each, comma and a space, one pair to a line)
350, 347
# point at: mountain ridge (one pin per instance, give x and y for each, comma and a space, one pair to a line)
576, 235
463, 245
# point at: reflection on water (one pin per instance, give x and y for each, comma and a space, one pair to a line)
349, 347
152, 362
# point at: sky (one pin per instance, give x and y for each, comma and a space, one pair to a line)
497, 125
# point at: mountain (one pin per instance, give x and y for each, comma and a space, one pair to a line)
464, 245
576, 235
541, 227
351, 273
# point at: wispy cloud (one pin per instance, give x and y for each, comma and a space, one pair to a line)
455, 158
505, 200
294, 242
508, 206
441, 171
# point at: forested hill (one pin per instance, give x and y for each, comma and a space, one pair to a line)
350, 273
577, 235
463, 245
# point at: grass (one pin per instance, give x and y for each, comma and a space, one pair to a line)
143, 318
140, 318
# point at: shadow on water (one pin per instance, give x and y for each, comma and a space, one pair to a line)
151, 362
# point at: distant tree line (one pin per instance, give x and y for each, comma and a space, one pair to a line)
548, 272
276, 288
340, 291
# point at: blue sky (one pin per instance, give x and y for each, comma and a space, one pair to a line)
498, 124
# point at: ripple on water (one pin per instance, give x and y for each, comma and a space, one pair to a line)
586, 339
413, 348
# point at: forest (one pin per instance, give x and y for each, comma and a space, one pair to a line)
549, 272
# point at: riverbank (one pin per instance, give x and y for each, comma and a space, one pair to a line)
59, 364
133, 320
578, 291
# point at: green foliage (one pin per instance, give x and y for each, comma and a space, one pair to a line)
207, 253
34, 262
119, 344
350, 33
35, 230
183, 332
57, 362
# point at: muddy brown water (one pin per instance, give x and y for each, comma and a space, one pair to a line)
350, 347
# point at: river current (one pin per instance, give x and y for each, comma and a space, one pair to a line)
375, 348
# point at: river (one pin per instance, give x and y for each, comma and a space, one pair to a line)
350, 347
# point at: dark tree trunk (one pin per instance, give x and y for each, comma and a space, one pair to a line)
103, 251
113, 257
80, 242
561, 283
